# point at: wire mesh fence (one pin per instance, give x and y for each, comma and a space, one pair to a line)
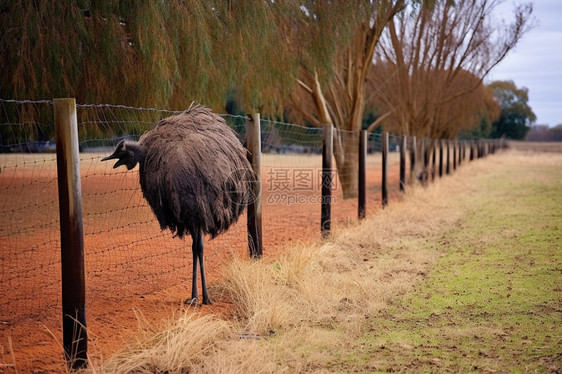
127, 256
29, 236
291, 172
124, 245
126, 253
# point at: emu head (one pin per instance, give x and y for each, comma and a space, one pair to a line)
126, 153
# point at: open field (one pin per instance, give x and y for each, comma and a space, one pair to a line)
130, 264
461, 276
535, 146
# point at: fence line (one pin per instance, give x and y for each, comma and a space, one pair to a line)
126, 254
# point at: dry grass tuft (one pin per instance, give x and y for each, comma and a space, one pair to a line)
177, 345
262, 302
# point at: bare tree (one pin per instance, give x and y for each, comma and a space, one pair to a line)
432, 60
337, 95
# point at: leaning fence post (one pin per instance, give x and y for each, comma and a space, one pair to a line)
403, 163
384, 169
75, 336
327, 155
362, 188
254, 224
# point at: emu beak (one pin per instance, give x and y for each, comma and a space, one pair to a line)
114, 156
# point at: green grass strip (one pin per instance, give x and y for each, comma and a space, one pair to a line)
492, 303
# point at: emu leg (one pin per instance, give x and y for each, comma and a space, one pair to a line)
206, 299
195, 251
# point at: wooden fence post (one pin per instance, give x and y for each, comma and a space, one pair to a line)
425, 147
75, 335
433, 159
448, 160
254, 222
362, 178
327, 155
455, 154
384, 169
479, 147
413, 160
403, 163
440, 158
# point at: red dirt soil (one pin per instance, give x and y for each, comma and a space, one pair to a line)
131, 265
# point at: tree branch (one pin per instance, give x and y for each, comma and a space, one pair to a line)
378, 121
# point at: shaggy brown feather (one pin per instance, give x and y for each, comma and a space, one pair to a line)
195, 176
195, 173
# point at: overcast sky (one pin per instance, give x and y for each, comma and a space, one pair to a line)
536, 62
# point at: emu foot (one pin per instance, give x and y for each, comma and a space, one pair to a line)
207, 301
191, 302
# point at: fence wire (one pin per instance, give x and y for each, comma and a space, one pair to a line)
127, 256
29, 229
291, 188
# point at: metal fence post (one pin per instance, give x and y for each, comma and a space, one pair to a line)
75, 336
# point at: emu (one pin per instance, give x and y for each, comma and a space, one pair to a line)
195, 175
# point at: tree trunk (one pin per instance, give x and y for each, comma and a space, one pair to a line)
341, 102
346, 153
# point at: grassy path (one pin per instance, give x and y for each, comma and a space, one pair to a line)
493, 302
